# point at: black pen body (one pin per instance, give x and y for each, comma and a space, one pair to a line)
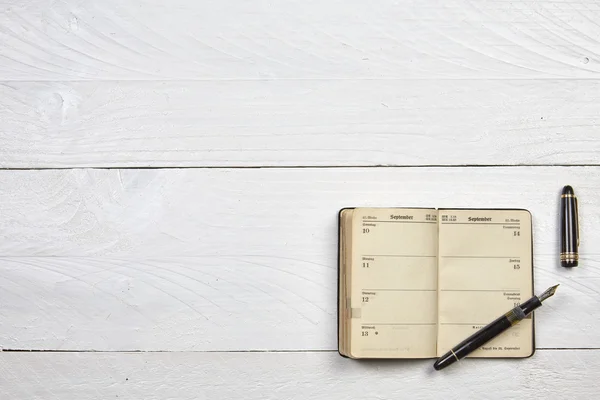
473, 342
569, 229
487, 333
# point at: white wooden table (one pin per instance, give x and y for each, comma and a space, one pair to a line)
172, 172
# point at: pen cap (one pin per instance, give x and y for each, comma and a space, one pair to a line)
569, 228
568, 190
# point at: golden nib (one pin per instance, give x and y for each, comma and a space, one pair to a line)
548, 293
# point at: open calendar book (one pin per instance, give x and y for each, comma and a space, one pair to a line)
413, 282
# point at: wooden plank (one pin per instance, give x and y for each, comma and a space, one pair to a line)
222, 259
299, 122
261, 376
233, 39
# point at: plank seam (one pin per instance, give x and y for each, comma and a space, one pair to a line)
374, 79
304, 166
236, 351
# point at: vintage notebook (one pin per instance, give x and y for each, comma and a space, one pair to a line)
414, 282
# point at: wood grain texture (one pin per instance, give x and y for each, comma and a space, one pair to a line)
319, 83
243, 259
210, 260
233, 39
291, 122
82, 376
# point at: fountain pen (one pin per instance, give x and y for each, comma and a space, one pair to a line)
492, 330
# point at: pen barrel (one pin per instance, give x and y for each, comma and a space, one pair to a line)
530, 305
495, 327
569, 230
490, 331
487, 333
482, 336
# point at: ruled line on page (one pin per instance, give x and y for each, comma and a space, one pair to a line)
371, 221
480, 257
399, 290
399, 323
480, 290
510, 224
397, 255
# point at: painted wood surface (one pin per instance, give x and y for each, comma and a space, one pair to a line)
547, 375
130, 84
298, 122
243, 259
232, 39
211, 266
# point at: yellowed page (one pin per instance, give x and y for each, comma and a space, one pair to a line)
344, 278
485, 269
394, 283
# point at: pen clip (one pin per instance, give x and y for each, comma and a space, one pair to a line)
577, 219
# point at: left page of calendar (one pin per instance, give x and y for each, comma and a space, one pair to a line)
388, 276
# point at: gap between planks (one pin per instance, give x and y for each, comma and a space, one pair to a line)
305, 166
324, 79
239, 351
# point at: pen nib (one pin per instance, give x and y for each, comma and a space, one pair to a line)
548, 293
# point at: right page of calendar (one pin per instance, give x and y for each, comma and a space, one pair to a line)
484, 270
